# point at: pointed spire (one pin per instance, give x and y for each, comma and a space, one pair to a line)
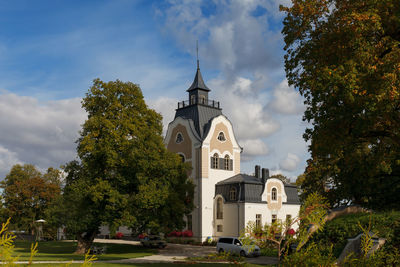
198, 82
197, 53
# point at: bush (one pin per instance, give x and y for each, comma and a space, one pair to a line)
337, 231
187, 233
119, 235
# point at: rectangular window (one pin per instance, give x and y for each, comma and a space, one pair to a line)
274, 217
219, 228
189, 222
258, 220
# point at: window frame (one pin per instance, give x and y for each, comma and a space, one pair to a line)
215, 161
220, 209
274, 194
223, 138
226, 163
232, 193
180, 140
258, 220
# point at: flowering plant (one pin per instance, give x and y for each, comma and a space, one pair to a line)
291, 232
187, 233
119, 235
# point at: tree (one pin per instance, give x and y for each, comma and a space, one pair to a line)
27, 194
125, 174
281, 177
344, 58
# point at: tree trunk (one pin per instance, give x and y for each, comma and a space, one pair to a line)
85, 241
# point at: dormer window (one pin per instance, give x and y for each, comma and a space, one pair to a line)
232, 194
273, 194
221, 136
179, 138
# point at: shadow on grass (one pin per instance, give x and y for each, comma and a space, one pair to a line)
64, 251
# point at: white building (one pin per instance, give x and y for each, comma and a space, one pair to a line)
225, 200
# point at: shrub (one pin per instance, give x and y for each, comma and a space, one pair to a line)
119, 235
187, 233
337, 231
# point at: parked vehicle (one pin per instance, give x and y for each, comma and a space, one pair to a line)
153, 241
234, 246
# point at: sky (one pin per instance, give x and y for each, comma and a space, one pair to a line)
50, 52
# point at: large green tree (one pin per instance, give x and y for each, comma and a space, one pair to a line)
27, 194
344, 58
125, 174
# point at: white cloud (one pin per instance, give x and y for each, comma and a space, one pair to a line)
246, 111
253, 148
286, 100
7, 159
165, 106
39, 134
290, 162
231, 38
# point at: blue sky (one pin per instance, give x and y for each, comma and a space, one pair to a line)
50, 51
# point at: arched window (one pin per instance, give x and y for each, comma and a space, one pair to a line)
192, 99
215, 159
182, 157
179, 138
202, 99
273, 193
226, 163
232, 193
221, 136
220, 213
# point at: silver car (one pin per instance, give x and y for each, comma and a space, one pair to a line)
234, 246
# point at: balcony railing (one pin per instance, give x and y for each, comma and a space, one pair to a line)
201, 101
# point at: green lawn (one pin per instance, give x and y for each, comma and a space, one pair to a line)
63, 251
146, 265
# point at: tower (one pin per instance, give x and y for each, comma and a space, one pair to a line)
204, 137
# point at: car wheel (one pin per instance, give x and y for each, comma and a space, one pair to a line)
220, 250
242, 253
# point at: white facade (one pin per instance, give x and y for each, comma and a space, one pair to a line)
205, 138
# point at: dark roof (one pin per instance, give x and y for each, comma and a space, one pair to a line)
292, 194
198, 82
241, 178
201, 116
251, 189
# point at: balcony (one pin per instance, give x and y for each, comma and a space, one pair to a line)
199, 101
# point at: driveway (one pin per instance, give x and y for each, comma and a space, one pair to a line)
186, 250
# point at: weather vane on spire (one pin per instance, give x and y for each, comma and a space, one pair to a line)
197, 53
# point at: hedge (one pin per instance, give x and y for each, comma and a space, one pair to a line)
337, 231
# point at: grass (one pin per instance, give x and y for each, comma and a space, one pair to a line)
64, 251
102, 264
148, 265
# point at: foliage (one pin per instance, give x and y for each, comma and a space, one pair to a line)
337, 231
6, 246
312, 255
27, 194
281, 177
282, 234
344, 58
126, 175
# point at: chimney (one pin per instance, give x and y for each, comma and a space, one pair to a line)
265, 174
257, 171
